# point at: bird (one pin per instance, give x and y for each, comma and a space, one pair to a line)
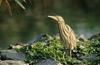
66, 33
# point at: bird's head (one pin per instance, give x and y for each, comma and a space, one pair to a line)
59, 19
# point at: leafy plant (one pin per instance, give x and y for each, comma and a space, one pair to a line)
7, 3
55, 50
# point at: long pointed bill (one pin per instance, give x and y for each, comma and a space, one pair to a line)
53, 17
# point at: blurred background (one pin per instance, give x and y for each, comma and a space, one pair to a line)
22, 20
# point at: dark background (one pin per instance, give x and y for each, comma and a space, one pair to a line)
23, 25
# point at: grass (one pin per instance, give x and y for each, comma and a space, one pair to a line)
54, 50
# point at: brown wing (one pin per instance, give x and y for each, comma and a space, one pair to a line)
72, 37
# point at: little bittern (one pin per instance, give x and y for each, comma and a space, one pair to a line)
67, 35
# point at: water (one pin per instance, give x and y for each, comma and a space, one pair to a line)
13, 31
25, 25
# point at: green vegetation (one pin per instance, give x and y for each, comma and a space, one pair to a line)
29, 18
89, 50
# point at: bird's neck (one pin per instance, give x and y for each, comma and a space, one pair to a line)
61, 25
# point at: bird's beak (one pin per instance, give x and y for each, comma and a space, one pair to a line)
53, 17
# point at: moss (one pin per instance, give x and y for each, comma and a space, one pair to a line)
55, 50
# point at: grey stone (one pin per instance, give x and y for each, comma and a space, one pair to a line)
82, 38
12, 62
89, 57
43, 37
12, 54
49, 62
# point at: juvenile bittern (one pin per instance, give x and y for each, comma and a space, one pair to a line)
67, 35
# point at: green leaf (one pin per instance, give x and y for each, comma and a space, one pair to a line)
24, 0
0, 2
20, 4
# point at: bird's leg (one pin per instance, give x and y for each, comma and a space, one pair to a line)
70, 52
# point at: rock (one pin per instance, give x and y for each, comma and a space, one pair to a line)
43, 37
82, 38
12, 54
96, 36
49, 62
89, 57
16, 46
12, 62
